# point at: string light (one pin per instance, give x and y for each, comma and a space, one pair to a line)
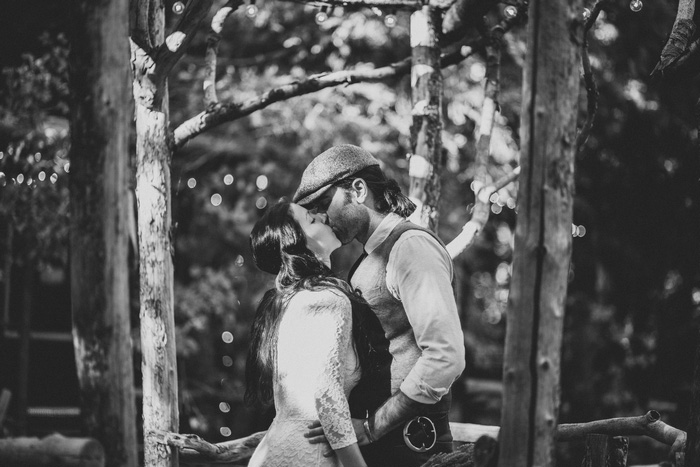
322, 15
251, 10
510, 11
636, 5
178, 8
227, 337
390, 20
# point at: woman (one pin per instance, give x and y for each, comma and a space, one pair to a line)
313, 339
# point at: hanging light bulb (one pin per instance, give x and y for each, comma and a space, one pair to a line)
636, 5
178, 8
586, 14
251, 10
510, 11
322, 15
390, 20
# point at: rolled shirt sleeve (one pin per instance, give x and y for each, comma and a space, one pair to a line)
419, 273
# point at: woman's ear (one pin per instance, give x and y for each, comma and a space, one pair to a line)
360, 190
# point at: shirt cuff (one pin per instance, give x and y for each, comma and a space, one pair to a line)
420, 391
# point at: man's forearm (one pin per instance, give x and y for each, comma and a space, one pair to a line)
396, 411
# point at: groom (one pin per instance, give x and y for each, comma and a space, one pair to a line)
405, 274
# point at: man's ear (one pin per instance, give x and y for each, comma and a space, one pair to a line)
360, 190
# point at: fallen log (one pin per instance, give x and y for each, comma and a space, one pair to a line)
51, 451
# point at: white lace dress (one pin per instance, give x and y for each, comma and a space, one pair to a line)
316, 370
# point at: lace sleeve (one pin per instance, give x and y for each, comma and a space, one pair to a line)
333, 329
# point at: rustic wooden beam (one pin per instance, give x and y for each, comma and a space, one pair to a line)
542, 249
51, 451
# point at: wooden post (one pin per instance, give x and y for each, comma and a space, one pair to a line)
100, 123
605, 451
52, 451
25, 346
426, 129
542, 237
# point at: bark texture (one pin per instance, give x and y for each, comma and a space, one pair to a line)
153, 56
425, 162
542, 237
99, 234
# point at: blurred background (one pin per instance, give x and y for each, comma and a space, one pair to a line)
633, 305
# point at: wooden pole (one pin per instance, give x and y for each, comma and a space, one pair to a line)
24, 346
99, 237
542, 237
426, 129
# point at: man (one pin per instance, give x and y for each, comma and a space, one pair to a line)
405, 275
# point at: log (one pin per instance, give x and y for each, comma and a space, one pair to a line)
53, 450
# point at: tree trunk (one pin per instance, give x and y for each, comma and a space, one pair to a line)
153, 153
542, 237
99, 227
425, 163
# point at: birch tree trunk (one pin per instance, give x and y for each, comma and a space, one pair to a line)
153, 57
426, 83
542, 238
99, 235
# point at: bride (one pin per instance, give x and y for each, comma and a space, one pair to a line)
313, 340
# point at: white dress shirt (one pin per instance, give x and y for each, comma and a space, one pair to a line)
419, 273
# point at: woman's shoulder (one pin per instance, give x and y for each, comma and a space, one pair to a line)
319, 301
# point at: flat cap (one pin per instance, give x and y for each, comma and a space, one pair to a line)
329, 167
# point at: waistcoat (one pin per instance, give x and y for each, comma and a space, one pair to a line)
369, 276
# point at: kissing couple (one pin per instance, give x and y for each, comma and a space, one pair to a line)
364, 365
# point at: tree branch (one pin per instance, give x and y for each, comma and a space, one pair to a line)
589, 80
194, 449
175, 45
481, 215
678, 42
217, 24
647, 425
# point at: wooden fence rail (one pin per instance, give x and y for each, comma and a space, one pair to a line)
194, 449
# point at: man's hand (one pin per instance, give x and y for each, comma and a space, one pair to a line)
315, 435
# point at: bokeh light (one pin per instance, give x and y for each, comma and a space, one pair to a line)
224, 407
227, 361
262, 182
216, 199
191, 183
227, 337
228, 179
261, 202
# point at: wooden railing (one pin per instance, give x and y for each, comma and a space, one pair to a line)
604, 439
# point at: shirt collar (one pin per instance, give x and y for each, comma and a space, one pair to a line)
382, 231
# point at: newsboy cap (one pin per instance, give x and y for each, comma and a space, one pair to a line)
329, 167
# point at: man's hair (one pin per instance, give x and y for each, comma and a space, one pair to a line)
387, 193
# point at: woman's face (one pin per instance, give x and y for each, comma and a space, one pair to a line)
319, 236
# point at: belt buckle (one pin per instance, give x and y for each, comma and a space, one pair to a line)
419, 434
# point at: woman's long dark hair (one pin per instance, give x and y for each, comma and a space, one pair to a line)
387, 193
279, 247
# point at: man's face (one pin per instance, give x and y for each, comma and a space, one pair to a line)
342, 213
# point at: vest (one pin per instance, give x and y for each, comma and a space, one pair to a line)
369, 276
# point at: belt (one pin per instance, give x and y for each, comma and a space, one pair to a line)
439, 420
